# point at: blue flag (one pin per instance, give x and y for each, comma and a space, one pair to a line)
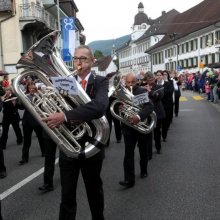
68, 35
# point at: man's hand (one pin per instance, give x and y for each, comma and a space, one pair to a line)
134, 119
54, 120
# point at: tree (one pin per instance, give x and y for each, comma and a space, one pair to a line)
98, 54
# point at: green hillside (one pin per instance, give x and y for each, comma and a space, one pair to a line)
106, 45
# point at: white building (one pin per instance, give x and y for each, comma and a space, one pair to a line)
174, 41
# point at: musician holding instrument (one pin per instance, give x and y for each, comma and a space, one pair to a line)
3, 172
133, 137
97, 89
10, 117
29, 125
156, 93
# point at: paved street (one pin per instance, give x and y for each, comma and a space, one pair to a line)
183, 182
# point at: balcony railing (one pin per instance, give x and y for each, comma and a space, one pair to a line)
33, 11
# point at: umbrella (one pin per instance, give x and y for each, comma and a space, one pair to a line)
214, 65
3, 73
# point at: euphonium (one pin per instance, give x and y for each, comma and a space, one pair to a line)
127, 109
41, 62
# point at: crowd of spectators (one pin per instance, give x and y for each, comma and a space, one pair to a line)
207, 82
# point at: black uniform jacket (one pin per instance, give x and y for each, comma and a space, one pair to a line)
97, 89
156, 94
28, 119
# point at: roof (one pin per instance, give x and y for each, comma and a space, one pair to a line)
140, 5
141, 17
158, 26
103, 63
196, 18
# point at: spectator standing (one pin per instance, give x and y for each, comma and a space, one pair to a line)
207, 90
5, 81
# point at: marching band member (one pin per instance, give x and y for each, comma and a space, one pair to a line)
156, 93
10, 117
97, 89
132, 137
29, 125
3, 172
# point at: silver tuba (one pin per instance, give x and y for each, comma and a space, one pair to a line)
124, 99
41, 62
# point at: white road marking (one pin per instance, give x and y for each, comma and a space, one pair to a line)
14, 188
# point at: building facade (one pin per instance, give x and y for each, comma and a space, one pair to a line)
24, 22
186, 42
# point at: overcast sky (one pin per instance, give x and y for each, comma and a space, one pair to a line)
109, 19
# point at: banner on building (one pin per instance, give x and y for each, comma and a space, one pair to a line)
68, 36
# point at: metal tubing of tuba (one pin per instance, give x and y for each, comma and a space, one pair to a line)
43, 61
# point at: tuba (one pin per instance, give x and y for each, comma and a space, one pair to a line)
41, 62
124, 101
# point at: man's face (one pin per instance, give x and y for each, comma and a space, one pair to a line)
83, 61
130, 81
150, 80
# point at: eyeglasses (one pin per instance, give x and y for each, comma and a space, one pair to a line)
81, 59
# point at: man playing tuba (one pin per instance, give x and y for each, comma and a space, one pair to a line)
133, 136
97, 89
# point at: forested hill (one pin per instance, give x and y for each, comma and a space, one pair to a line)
105, 46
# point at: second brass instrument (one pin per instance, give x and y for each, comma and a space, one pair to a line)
127, 109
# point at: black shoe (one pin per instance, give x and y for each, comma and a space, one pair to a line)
158, 152
3, 174
164, 140
3, 147
126, 183
19, 142
22, 162
144, 175
118, 141
46, 188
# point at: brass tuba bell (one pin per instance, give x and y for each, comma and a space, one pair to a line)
41, 62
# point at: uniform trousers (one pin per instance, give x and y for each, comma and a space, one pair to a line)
69, 173
117, 126
157, 135
176, 105
130, 143
14, 121
2, 164
27, 131
49, 163
166, 123
0, 211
